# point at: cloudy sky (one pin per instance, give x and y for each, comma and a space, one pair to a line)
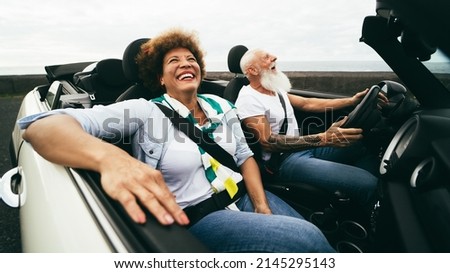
45, 32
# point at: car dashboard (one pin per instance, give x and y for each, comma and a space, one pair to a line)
414, 209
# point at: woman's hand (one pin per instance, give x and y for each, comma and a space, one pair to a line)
135, 184
264, 210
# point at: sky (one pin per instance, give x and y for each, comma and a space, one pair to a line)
47, 32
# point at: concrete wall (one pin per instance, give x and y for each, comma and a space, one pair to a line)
344, 83
17, 85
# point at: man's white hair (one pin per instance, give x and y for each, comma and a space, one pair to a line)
248, 58
271, 80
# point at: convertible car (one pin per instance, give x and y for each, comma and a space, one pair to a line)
66, 210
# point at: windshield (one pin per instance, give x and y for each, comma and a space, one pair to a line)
439, 65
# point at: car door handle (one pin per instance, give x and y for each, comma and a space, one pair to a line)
11, 191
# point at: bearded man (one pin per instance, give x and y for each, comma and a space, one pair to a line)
334, 160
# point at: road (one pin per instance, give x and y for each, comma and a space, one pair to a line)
9, 217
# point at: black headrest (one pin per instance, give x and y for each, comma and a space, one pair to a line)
130, 68
110, 71
234, 58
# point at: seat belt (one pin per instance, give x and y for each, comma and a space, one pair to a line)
219, 200
273, 164
198, 136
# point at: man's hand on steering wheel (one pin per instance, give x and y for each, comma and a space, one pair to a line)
358, 97
336, 136
366, 114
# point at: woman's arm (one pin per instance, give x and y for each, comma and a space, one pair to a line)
61, 139
252, 178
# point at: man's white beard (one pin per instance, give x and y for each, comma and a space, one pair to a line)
275, 80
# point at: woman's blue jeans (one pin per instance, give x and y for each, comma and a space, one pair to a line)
246, 231
348, 170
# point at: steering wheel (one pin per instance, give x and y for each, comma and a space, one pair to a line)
366, 114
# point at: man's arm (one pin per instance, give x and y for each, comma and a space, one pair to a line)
270, 142
61, 139
320, 105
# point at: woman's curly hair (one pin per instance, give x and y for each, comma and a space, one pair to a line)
151, 56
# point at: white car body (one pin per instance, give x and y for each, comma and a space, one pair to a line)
58, 220
60, 211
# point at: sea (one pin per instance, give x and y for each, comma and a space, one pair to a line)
333, 66
341, 66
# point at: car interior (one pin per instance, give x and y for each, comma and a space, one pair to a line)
412, 135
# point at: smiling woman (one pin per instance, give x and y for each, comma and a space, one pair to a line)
155, 53
216, 194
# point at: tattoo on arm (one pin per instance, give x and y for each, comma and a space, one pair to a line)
284, 143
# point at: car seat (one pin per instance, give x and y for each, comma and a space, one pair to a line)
104, 81
239, 80
131, 72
